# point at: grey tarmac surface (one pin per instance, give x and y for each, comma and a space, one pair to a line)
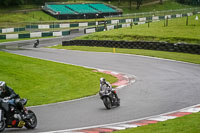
161, 86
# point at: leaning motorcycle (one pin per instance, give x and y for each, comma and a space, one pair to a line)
13, 117
108, 98
35, 44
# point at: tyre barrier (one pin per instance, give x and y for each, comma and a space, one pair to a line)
161, 46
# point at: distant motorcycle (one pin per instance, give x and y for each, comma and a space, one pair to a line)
36, 43
109, 98
12, 117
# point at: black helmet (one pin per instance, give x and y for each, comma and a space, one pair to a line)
102, 81
2, 85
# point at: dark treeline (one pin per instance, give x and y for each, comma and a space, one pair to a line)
189, 2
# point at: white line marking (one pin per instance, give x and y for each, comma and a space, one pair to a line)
114, 127
163, 118
191, 110
128, 125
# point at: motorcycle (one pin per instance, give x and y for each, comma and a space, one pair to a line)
36, 44
108, 98
11, 116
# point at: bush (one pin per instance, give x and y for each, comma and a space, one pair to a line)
189, 2
11, 2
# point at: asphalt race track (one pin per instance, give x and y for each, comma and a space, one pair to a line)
161, 86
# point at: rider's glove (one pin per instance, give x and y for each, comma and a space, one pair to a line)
8, 98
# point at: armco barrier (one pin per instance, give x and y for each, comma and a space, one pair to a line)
162, 46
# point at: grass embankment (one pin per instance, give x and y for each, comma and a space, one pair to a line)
186, 124
148, 7
177, 31
45, 82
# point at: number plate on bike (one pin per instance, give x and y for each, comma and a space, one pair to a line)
21, 124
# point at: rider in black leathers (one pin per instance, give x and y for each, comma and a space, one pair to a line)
8, 93
109, 87
36, 43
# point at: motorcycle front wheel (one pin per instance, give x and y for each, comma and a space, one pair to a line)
31, 122
2, 125
107, 102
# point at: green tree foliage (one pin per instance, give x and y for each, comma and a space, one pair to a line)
138, 3
11, 2
190, 2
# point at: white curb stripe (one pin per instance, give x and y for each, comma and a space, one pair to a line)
115, 127
115, 73
163, 118
128, 125
191, 110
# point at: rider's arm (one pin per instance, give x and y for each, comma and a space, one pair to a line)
109, 85
12, 93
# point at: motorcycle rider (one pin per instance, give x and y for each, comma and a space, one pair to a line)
36, 43
108, 86
8, 93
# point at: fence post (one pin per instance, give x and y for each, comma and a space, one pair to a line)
114, 50
187, 21
167, 22
131, 24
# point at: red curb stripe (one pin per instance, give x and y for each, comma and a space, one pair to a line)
87, 131
144, 122
139, 124
101, 130
121, 80
179, 114
149, 121
119, 83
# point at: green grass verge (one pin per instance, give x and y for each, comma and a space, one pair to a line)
177, 31
186, 124
31, 16
44, 82
167, 5
192, 58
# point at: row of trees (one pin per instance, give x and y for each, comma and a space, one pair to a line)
21, 2
11, 2
190, 2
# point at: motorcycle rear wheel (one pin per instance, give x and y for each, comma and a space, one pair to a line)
31, 123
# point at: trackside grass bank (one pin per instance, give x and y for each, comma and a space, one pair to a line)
44, 82
192, 58
186, 124
176, 31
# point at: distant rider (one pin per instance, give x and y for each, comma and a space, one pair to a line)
108, 86
36, 43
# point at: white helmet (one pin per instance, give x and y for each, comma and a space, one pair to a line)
102, 81
2, 85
